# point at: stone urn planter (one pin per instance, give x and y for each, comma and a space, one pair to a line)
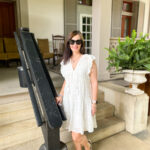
135, 77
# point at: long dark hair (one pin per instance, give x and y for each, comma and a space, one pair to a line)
68, 52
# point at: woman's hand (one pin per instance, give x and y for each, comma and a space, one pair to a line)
59, 99
93, 109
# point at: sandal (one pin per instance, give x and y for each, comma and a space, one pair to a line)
89, 141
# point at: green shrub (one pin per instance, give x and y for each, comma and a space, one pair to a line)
133, 54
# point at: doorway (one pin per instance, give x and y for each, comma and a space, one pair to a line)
7, 19
86, 30
126, 19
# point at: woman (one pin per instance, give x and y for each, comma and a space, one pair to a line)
79, 91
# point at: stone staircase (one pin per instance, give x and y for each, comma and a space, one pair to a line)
18, 129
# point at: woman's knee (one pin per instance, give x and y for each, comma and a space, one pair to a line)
76, 137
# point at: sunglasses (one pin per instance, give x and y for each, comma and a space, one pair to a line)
78, 42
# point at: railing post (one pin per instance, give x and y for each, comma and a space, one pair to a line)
34, 75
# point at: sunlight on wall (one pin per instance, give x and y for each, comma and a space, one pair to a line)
46, 18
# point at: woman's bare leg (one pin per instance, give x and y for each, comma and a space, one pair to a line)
80, 140
85, 143
76, 139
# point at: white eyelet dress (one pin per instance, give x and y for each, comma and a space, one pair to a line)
77, 95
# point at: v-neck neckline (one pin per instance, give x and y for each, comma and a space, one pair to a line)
77, 63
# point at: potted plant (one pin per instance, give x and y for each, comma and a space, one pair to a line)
132, 56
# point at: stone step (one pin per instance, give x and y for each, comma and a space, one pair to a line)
100, 96
30, 145
22, 110
104, 110
17, 127
14, 106
5, 100
106, 127
13, 97
23, 134
14, 116
121, 141
13, 130
16, 101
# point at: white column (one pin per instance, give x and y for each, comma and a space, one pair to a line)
101, 32
140, 17
146, 16
149, 21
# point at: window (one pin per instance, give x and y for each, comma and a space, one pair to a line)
126, 26
126, 19
86, 29
127, 6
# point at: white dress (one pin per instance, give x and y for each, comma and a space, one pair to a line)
77, 95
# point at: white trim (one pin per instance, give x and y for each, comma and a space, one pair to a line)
84, 15
146, 17
71, 24
86, 32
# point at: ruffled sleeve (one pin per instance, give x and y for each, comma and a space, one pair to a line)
91, 58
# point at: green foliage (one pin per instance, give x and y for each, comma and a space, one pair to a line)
130, 54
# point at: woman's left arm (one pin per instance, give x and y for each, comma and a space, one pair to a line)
94, 85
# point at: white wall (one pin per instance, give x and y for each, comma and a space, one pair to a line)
116, 18
46, 18
24, 13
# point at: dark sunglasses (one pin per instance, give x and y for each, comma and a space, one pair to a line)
78, 42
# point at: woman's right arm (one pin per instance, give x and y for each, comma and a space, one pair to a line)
59, 98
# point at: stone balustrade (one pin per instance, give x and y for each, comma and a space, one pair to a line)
114, 42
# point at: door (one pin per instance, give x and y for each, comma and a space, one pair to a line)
127, 13
7, 19
126, 26
86, 29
